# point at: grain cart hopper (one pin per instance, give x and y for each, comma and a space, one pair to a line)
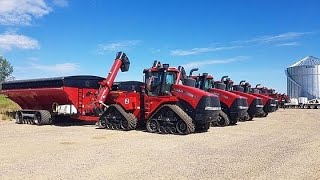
42, 100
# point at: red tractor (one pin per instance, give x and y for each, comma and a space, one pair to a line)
165, 105
233, 106
254, 102
281, 99
269, 104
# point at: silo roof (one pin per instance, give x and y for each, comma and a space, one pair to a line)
307, 61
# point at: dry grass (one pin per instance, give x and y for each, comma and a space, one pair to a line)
7, 108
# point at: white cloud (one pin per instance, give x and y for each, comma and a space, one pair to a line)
179, 52
118, 46
64, 68
61, 3
289, 44
274, 38
9, 41
22, 12
197, 64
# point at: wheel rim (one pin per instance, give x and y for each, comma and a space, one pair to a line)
124, 124
162, 129
221, 121
152, 126
37, 119
19, 118
181, 127
168, 129
103, 122
173, 130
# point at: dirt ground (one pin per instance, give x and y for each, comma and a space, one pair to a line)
285, 145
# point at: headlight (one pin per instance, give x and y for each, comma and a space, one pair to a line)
243, 107
209, 108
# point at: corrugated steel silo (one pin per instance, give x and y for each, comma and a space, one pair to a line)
303, 78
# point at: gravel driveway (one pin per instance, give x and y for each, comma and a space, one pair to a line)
285, 145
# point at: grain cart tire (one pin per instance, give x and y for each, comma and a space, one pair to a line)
42, 117
19, 119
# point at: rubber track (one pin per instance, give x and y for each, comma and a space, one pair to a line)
132, 120
45, 117
226, 119
183, 116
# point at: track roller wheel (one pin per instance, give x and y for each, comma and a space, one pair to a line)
250, 118
103, 123
223, 119
181, 127
152, 126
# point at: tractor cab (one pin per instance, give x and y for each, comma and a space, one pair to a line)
220, 84
159, 79
228, 82
238, 87
204, 82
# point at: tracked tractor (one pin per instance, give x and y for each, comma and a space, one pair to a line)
233, 106
280, 99
269, 104
160, 102
254, 102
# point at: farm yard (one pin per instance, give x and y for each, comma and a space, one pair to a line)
284, 145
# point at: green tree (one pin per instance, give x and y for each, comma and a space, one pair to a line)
6, 69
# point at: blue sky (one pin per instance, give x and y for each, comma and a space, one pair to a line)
247, 40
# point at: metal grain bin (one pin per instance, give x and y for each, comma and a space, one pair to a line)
303, 78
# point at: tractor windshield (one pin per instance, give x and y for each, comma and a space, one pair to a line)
208, 84
160, 81
247, 89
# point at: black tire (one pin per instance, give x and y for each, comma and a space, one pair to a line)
250, 118
42, 117
265, 114
18, 119
234, 121
223, 120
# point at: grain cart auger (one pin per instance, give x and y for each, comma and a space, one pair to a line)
121, 62
254, 102
233, 107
